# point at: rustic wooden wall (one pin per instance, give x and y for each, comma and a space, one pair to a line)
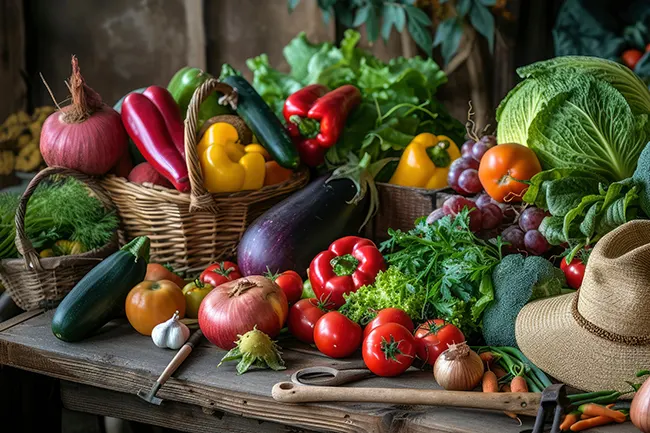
13, 90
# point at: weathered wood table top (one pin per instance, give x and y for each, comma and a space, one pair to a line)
103, 374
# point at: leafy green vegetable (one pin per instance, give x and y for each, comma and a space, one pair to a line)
399, 96
642, 176
452, 264
62, 209
578, 112
517, 281
583, 208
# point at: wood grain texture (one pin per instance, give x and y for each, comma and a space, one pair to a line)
12, 58
119, 359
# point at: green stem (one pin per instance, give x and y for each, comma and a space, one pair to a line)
309, 128
345, 265
139, 247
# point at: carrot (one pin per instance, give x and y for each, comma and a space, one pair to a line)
609, 406
500, 372
487, 358
569, 420
591, 422
490, 383
518, 384
583, 416
506, 387
598, 410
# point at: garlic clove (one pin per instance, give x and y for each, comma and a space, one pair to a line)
171, 334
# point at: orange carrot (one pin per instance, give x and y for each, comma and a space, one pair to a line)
500, 372
598, 410
487, 358
591, 422
505, 387
569, 420
609, 406
583, 416
490, 383
518, 384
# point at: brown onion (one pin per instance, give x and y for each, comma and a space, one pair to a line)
458, 368
87, 136
640, 409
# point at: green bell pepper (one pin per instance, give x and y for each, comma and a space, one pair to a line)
182, 87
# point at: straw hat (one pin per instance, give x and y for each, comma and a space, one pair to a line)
598, 337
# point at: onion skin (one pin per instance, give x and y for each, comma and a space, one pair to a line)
458, 368
236, 307
640, 409
87, 136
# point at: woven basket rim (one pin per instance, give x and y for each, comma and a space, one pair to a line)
422, 191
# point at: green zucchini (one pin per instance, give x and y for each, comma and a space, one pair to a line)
101, 293
264, 124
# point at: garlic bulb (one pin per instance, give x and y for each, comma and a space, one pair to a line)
171, 334
458, 368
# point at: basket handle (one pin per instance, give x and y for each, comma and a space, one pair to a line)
200, 198
23, 244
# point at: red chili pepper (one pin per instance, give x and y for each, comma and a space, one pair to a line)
164, 101
316, 118
348, 264
219, 273
146, 126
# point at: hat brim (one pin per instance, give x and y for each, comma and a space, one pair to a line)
549, 336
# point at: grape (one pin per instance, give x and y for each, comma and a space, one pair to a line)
469, 181
435, 215
475, 220
453, 205
479, 150
455, 170
515, 237
488, 140
535, 242
491, 216
466, 148
482, 200
531, 218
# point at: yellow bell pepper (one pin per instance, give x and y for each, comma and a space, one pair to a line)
226, 165
425, 162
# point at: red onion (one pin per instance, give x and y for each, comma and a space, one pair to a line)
238, 306
640, 409
87, 136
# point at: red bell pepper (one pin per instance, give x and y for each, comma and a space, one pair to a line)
145, 122
315, 118
220, 273
164, 101
348, 264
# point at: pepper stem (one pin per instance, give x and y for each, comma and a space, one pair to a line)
344, 265
309, 128
439, 154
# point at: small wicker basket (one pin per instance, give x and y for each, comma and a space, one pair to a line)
34, 282
192, 230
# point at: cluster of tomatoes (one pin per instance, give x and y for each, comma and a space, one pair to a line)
388, 343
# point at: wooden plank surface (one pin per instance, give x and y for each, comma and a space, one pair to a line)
119, 359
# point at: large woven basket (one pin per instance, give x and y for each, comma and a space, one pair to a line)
399, 207
34, 282
191, 231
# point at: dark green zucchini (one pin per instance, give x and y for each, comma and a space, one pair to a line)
264, 124
101, 293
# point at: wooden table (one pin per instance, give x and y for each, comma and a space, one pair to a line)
103, 374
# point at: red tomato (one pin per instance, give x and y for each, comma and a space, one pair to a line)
389, 349
502, 169
574, 272
389, 315
631, 57
220, 273
337, 336
291, 284
434, 337
303, 316
647, 48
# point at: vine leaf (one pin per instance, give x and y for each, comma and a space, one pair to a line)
448, 35
421, 35
389, 14
361, 16
400, 19
488, 2
372, 25
415, 14
292, 4
463, 7
483, 21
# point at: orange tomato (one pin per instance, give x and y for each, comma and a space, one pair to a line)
503, 167
153, 302
631, 57
156, 272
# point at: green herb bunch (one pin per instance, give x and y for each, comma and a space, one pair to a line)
62, 209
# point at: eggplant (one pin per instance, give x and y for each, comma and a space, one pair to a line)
290, 234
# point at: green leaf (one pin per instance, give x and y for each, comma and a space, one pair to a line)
551, 229
372, 25
565, 194
450, 45
291, 4
578, 211
388, 16
483, 21
444, 31
421, 35
418, 15
488, 2
463, 7
362, 15
588, 224
400, 19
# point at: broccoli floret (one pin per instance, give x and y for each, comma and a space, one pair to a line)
517, 280
642, 176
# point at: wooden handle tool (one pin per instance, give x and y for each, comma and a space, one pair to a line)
523, 403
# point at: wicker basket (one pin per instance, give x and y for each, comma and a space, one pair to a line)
399, 207
34, 282
191, 231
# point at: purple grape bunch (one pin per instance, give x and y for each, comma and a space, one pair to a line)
463, 172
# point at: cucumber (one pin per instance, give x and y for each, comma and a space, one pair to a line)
264, 124
101, 293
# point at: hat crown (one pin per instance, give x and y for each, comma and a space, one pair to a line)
615, 292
